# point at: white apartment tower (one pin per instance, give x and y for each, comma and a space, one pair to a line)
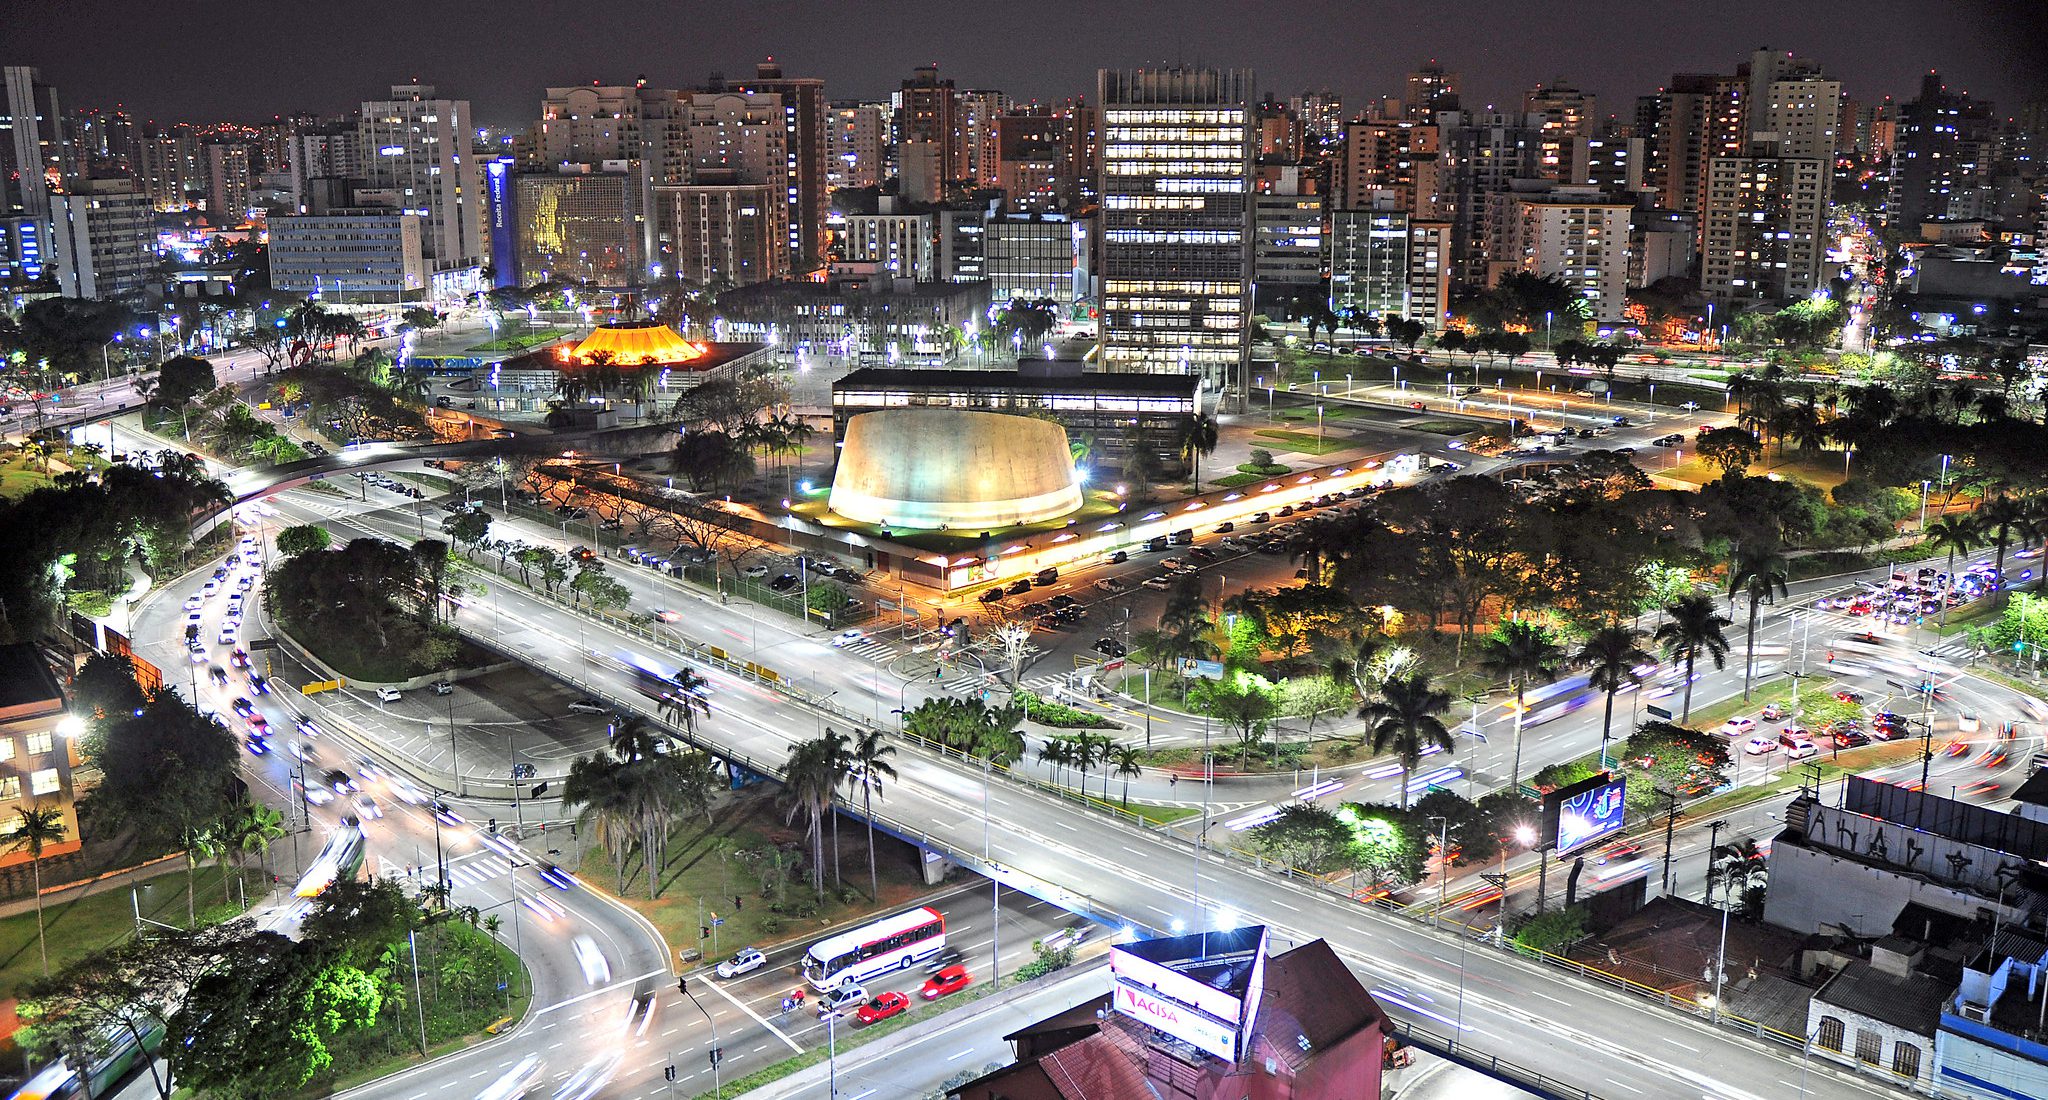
415, 146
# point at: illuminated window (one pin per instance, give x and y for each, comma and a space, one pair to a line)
38, 743
43, 782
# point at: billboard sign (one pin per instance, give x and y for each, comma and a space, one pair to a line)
501, 206
1584, 813
1177, 1020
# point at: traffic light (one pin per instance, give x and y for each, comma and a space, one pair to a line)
703, 931
717, 1053
668, 1073
494, 825
682, 985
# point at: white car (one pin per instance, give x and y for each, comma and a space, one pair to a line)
1760, 744
367, 808
1738, 726
227, 632
317, 793
193, 602
596, 971
389, 695
848, 637
746, 961
839, 999
754, 571
515, 1081
209, 588
1797, 745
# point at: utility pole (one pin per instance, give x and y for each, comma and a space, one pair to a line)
1670, 830
1713, 849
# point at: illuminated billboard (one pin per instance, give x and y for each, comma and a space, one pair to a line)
1584, 813
1202, 989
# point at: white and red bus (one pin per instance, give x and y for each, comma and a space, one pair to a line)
892, 943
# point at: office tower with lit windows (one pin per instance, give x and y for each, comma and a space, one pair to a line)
229, 176
1561, 113
415, 146
928, 115
1176, 181
1766, 218
978, 111
1429, 90
1939, 156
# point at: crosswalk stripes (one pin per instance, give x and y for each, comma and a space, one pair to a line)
479, 871
1952, 650
878, 652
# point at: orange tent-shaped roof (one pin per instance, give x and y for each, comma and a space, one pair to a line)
632, 343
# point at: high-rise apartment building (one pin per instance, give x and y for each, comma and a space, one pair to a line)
743, 132
170, 165
978, 111
1429, 91
595, 125
1561, 113
322, 151
229, 177
724, 233
857, 146
1321, 114
1481, 157
102, 240
1177, 157
34, 151
1766, 217
1045, 158
1398, 155
1939, 155
929, 111
1576, 234
806, 191
415, 146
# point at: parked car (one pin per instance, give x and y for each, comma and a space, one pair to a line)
1109, 647
588, 706
388, 695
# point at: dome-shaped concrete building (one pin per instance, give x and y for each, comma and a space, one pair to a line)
928, 469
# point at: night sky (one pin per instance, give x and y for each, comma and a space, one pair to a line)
206, 60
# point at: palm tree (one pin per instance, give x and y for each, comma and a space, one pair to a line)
35, 828
816, 770
1957, 535
599, 786
1056, 753
1197, 438
1404, 718
870, 759
1760, 572
1611, 655
1693, 627
250, 828
1521, 651
1998, 519
687, 701
1123, 763
632, 740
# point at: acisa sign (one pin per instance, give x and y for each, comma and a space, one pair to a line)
1181, 1022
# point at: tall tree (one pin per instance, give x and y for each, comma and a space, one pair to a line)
1760, 573
816, 770
35, 828
869, 757
1693, 629
1405, 718
1522, 651
1610, 655
1957, 535
1198, 437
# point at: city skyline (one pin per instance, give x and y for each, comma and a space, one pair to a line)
167, 69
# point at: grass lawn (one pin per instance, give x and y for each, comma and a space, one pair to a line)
79, 927
1441, 427
518, 341
1968, 617
1161, 815
1305, 442
750, 832
1234, 481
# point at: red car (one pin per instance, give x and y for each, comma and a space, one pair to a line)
882, 1007
953, 979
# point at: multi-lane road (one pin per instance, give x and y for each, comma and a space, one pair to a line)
1499, 1005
